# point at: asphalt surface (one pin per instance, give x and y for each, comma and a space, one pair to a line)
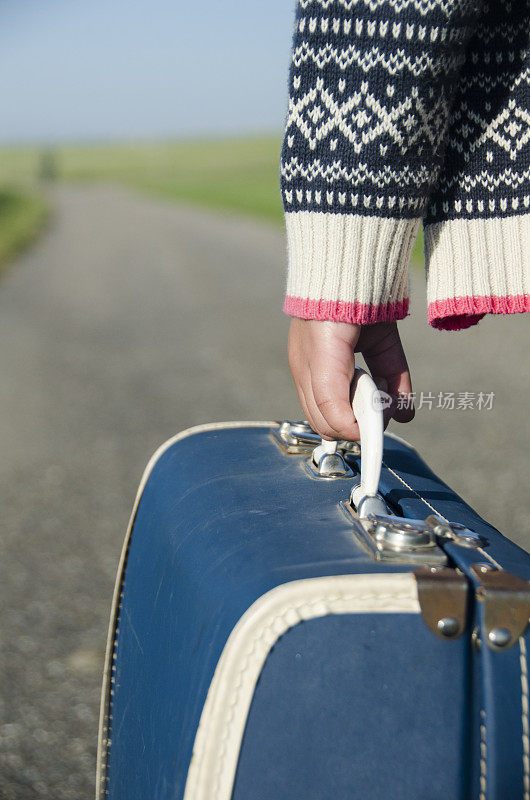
128, 321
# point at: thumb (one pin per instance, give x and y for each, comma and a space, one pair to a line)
385, 358
401, 390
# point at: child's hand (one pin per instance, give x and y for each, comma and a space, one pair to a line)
322, 361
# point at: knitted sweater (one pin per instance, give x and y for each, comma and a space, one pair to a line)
401, 112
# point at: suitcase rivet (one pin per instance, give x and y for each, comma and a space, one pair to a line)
448, 626
499, 637
484, 568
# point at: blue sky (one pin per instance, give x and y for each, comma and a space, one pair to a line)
129, 69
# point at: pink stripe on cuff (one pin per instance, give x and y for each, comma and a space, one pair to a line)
457, 313
340, 311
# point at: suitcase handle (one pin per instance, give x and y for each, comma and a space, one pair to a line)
368, 412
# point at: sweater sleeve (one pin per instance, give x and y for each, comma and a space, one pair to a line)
370, 90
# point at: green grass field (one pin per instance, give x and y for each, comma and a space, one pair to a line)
22, 215
239, 175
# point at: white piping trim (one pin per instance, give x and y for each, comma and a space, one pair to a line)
524, 716
483, 757
218, 740
105, 690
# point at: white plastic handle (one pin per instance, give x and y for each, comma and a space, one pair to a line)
369, 415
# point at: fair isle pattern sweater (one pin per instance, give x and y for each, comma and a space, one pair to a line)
403, 111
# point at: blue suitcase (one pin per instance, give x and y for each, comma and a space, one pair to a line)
269, 642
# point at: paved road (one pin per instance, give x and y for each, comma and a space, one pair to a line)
132, 319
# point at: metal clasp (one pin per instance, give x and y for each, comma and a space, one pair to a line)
298, 437
391, 538
506, 601
458, 533
326, 463
443, 599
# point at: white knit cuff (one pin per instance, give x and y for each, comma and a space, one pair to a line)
477, 267
348, 268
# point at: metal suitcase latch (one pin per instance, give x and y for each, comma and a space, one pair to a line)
297, 438
327, 463
443, 598
506, 600
390, 538
330, 466
456, 532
